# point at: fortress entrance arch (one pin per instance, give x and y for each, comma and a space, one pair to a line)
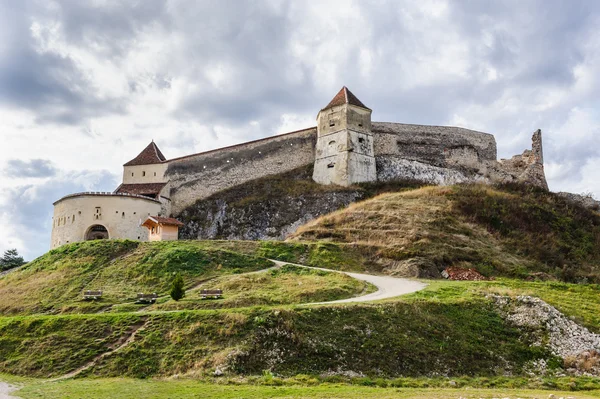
96, 232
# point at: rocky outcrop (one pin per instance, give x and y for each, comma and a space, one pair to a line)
549, 327
392, 168
585, 200
272, 219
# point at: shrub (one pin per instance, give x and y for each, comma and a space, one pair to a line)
177, 289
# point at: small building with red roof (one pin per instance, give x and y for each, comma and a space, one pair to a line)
162, 228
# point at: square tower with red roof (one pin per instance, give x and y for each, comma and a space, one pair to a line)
344, 153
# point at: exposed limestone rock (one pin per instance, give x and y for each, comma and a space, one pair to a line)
271, 219
551, 328
585, 200
394, 168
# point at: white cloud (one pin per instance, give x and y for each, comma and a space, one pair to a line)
86, 85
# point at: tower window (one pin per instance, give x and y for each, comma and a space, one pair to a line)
123, 215
331, 165
360, 125
331, 123
361, 140
143, 173
131, 174
154, 173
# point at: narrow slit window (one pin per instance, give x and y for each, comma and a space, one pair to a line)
331, 165
143, 173
331, 123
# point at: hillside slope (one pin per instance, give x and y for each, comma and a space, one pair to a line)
55, 281
510, 231
272, 207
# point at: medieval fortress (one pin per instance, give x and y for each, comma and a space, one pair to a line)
345, 147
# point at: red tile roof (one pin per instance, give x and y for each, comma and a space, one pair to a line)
150, 155
345, 96
163, 220
141, 188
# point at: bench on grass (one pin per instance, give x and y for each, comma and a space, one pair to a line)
91, 294
146, 298
216, 294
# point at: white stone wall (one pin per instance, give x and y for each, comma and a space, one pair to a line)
144, 173
120, 215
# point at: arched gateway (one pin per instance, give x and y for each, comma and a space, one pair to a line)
96, 232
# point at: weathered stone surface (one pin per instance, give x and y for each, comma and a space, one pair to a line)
585, 200
344, 153
441, 146
199, 176
527, 167
266, 209
390, 168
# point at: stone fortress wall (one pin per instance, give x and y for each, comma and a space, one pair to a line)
198, 176
438, 154
342, 148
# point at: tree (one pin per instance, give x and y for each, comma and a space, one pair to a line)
177, 290
11, 259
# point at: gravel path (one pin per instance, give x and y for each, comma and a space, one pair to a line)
387, 287
6, 389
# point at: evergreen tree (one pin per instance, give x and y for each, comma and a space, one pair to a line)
11, 259
177, 290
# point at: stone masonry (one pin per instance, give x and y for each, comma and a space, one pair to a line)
345, 147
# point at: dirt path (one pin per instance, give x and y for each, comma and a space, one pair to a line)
123, 342
387, 287
6, 389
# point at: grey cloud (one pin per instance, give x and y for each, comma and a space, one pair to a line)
32, 168
30, 206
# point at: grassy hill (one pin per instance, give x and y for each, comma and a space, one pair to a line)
54, 282
261, 331
512, 231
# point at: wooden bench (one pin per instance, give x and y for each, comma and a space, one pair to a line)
146, 298
91, 294
216, 294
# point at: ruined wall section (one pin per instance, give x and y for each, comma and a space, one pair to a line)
198, 176
527, 167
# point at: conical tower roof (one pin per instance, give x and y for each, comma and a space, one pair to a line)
345, 96
150, 155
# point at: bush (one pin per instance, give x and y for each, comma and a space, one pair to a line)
177, 289
11, 259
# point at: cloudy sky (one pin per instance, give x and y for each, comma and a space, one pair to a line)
85, 85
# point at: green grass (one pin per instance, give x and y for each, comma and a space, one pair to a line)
286, 285
54, 345
578, 301
54, 282
410, 338
180, 389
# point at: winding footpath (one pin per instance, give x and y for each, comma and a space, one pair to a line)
387, 287
6, 389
